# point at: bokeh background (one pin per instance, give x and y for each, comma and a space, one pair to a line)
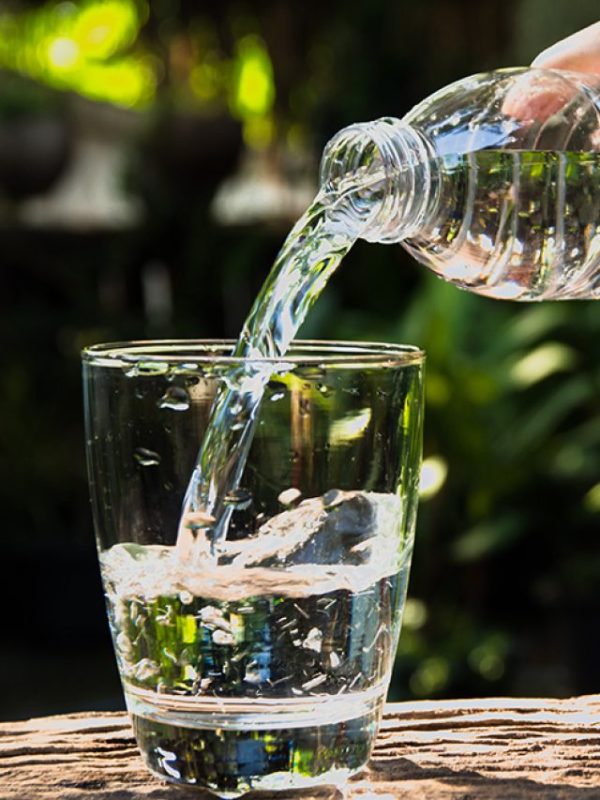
152, 158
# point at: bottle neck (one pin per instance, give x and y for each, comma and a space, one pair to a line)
385, 170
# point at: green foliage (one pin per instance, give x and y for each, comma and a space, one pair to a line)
507, 544
505, 572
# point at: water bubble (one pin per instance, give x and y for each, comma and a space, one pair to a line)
289, 496
314, 682
152, 368
139, 392
223, 637
255, 673
146, 669
130, 366
183, 369
176, 398
300, 610
186, 597
213, 616
239, 499
323, 388
277, 396
237, 426
145, 457
313, 640
189, 372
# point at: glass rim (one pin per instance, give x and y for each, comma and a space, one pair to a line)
302, 352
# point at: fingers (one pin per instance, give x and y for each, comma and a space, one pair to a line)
536, 96
579, 52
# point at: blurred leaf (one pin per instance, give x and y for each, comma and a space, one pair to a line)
489, 657
430, 677
592, 499
487, 538
543, 361
534, 323
542, 419
415, 614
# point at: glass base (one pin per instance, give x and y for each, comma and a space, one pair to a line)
275, 748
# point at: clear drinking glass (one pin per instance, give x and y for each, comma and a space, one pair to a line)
265, 667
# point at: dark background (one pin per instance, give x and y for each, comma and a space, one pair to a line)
151, 162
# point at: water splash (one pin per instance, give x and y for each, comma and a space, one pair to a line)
145, 457
175, 398
311, 253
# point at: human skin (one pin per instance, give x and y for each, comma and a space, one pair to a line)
533, 98
579, 52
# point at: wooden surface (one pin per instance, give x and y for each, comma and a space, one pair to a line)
469, 749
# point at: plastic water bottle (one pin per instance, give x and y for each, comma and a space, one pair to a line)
492, 182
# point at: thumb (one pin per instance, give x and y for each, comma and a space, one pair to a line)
579, 52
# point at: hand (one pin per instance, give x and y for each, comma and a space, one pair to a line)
579, 52
535, 97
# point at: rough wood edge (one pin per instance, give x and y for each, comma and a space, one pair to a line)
480, 748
